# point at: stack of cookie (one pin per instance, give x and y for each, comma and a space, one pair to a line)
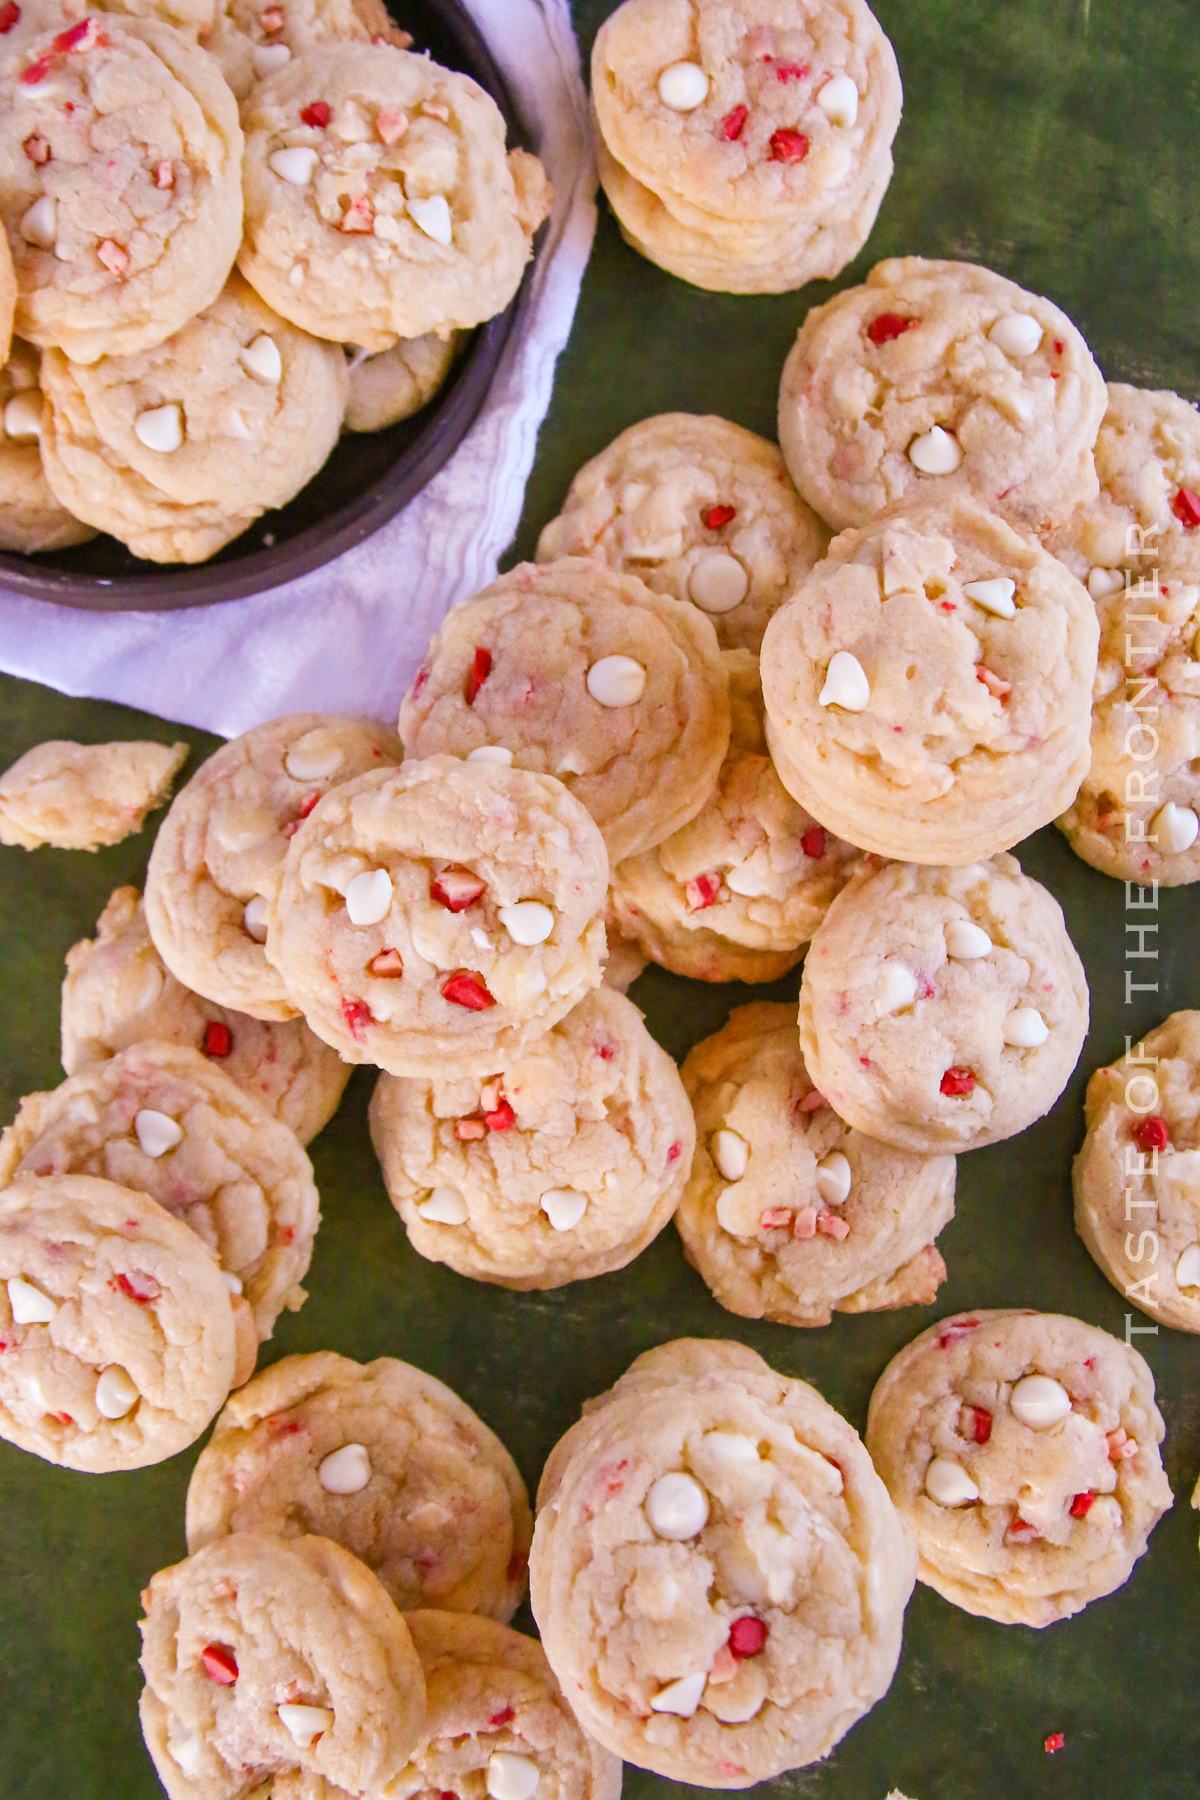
745, 145
365, 195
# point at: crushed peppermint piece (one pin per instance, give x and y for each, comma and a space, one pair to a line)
1186, 507
812, 842
747, 1637
776, 1217
1151, 1134
218, 1039
358, 216
1121, 1447
220, 1664
886, 327
465, 988
957, 1081
456, 889
788, 146
358, 1016
954, 1330
790, 71
829, 1225
387, 965
315, 114
1081, 1505
164, 176
996, 686
714, 517
975, 1424
732, 125
10, 14
36, 148
805, 1225
481, 668
391, 124
115, 259
702, 891
137, 1285
501, 1118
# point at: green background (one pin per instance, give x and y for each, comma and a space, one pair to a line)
1057, 142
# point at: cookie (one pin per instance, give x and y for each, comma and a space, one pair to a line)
117, 1326
623, 962
563, 1164
790, 1214
281, 1666
8, 298
717, 1572
942, 1009
936, 381
31, 519
178, 449
577, 671
120, 170
80, 796
1137, 814
1137, 1177
699, 509
380, 202
1022, 1449
249, 41
396, 383
928, 689
383, 1459
443, 914
220, 849
736, 894
497, 1716
166, 1122
119, 992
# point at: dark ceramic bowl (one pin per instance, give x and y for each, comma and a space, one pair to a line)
368, 477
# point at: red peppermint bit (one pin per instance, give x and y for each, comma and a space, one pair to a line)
886, 327
806, 1223
456, 889
731, 126
220, 1664
829, 1225
84, 35
388, 965
1054, 1742
358, 1016
976, 1424
954, 1330
716, 516
518, 1564
1151, 1134
467, 1131
606, 1052
776, 1217
358, 216
467, 989
422, 676
675, 1151
811, 1103
36, 148
317, 115
164, 176
1081, 1505
481, 668
391, 124
37, 71
1186, 507
218, 1039
701, 891
137, 1286
307, 805
813, 842
501, 1118
281, 1427
747, 1637
958, 1081
10, 13
1059, 346
113, 256
63, 1418
791, 71
504, 1717
994, 684
1022, 1532
445, 1793
1121, 1447
788, 146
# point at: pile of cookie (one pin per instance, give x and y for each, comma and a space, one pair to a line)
231, 231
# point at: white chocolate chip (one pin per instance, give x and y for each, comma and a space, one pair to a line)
838, 100
1040, 1401
294, 165
833, 1178
480, 939
185, 1748
718, 582
23, 417
254, 919
1017, 334
156, 1132
445, 1206
1175, 828
491, 753
29, 1306
527, 922
995, 595
529, 983
160, 428
965, 941
937, 452
731, 1153
369, 897
846, 684
677, 1507
269, 57
731, 1446
948, 1483
683, 87
296, 276
895, 989
39, 226
315, 756
1025, 1028
573, 763
116, 1392
304, 1723
616, 681
345, 1471
511, 1777
1103, 582
564, 1207
432, 216
681, 1697
1187, 1270
234, 1283
262, 358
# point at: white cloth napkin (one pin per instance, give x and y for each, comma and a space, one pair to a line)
348, 637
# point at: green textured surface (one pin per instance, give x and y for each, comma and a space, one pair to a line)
1058, 143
